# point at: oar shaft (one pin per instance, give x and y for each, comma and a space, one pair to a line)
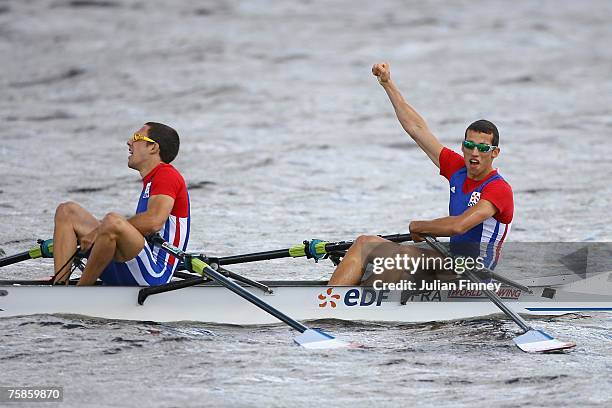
43, 249
299, 250
245, 294
258, 256
500, 304
507, 281
490, 294
9, 260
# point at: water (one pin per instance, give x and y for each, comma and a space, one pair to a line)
110, 363
286, 136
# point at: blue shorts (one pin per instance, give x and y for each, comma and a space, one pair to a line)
151, 267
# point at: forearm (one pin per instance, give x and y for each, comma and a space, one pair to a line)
440, 227
409, 118
145, 223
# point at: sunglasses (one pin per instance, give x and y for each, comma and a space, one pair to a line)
482, 147
137, 136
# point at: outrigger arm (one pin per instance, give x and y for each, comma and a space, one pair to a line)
309, 338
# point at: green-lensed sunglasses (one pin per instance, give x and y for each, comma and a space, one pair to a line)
482, 147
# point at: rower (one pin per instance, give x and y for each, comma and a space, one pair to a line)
120, 254
481, 203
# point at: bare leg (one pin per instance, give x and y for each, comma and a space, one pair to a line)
350, 270
71, 222
117, 240
364, 250
425, 272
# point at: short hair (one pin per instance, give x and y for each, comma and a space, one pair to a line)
167, 139
484, 126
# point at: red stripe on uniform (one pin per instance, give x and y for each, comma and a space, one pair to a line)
177, 238
501, 241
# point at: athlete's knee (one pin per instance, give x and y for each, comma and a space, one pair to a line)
366, 239
66, 210
360, 240
112, 223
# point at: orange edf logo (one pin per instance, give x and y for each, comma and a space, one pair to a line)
332, 298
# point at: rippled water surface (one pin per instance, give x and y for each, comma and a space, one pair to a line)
109, 363
286, 136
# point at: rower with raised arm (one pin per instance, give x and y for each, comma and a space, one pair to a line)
481, 204
120, 253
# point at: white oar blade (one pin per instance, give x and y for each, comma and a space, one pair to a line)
317, 340
536, 341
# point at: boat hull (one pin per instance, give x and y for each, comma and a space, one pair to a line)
300, 300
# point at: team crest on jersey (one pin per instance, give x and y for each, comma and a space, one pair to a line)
453, 189
146, 190
474, 198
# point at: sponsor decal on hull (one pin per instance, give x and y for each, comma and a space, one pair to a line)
353, 297
504, 293
370, 297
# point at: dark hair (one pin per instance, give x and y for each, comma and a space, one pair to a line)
484, 126
166, 138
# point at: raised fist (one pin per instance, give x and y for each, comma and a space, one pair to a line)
382, 71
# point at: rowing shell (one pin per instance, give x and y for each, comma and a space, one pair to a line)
304, 300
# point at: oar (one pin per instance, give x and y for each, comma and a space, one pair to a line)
317, 249
44, 249
533, 340
309, 338
311, 249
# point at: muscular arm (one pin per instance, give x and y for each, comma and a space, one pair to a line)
455, 225
408, 117
152, 220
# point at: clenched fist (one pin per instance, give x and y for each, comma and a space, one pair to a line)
382, 71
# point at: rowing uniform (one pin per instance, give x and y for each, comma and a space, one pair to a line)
153, 266
465, 193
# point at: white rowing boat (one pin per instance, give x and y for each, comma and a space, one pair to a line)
203, 296
305, 300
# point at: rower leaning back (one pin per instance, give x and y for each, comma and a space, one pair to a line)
481, 205
120, 254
